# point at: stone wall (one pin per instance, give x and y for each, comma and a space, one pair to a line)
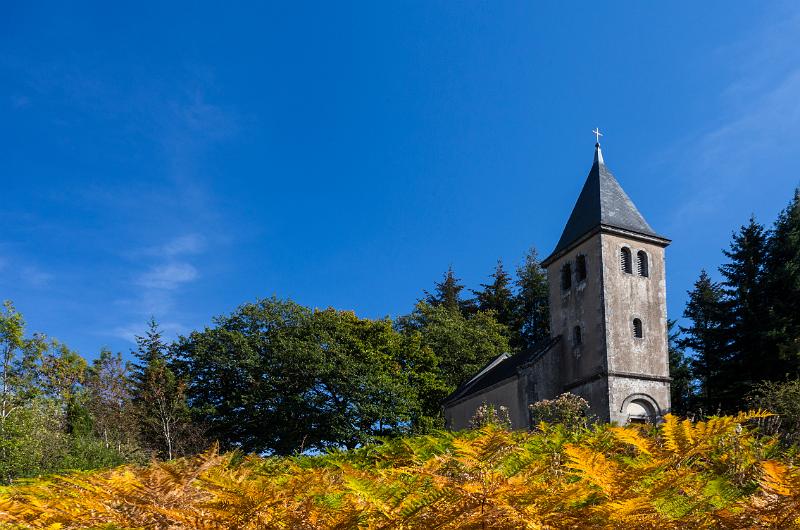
629, 296
506, 393
580, 305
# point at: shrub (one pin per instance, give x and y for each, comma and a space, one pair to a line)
567, 409
487, 414
782, 398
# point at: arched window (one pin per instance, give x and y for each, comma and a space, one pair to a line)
566, 277
638, 333
577, 339
580, 268
625, 260
641, 264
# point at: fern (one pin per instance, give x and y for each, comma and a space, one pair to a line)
712, 474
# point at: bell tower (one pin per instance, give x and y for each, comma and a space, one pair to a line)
608, 303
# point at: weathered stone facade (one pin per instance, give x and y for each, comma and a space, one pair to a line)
608, 320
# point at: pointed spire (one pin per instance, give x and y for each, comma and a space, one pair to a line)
598, 154
602, 203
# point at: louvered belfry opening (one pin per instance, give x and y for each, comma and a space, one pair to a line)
638, 332
580, 268
642, 267
566, 277
625, 260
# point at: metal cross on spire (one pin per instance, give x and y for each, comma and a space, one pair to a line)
597, 134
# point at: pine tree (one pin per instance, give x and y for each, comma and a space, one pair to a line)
680, 370
706, 337
447, 292
744, 289
497, 297
531, 302
782, 279
159, 396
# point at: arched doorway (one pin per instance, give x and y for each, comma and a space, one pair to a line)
640, 408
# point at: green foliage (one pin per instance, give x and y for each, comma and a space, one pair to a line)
782, 398
159, 399
750, 356
109, 390
448, 293
706, 337
48, 413
462, 344
521, 304
532, 302
747, 329
782, 279
317, 378
682, 390
496, 297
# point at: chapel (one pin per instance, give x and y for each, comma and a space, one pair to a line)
608, 320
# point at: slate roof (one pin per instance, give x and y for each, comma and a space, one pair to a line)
500, 368
602, 202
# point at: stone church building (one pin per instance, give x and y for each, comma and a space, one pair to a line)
608, 320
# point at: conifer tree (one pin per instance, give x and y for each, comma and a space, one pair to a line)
782, 279
706, 337
447, 292
159, 396
497, 297
744, 290
531, 302
680, 370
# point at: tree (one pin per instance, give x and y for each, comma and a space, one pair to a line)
61, 375
277, 377
359, 384
531, 302
462, 345
497, 297
109, 390
159, 397
448, 293
782, 287
744, 289
680, 370
706, 337
17, 385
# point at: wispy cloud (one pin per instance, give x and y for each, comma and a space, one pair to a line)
761, 115
168, 276
182, 245
156, 290
35, 276
22, 272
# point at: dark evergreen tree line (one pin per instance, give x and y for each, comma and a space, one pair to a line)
520, 304
744, 329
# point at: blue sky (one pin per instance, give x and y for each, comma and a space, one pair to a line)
179, 160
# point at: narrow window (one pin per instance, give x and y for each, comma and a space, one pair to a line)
580, 268
641, 264
637, 329
577, 339
566, 277
625, 260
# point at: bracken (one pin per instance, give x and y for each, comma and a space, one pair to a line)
712, 474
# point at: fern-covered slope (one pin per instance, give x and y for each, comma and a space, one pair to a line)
713, 474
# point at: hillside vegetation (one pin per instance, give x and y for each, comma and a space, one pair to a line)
718, 473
